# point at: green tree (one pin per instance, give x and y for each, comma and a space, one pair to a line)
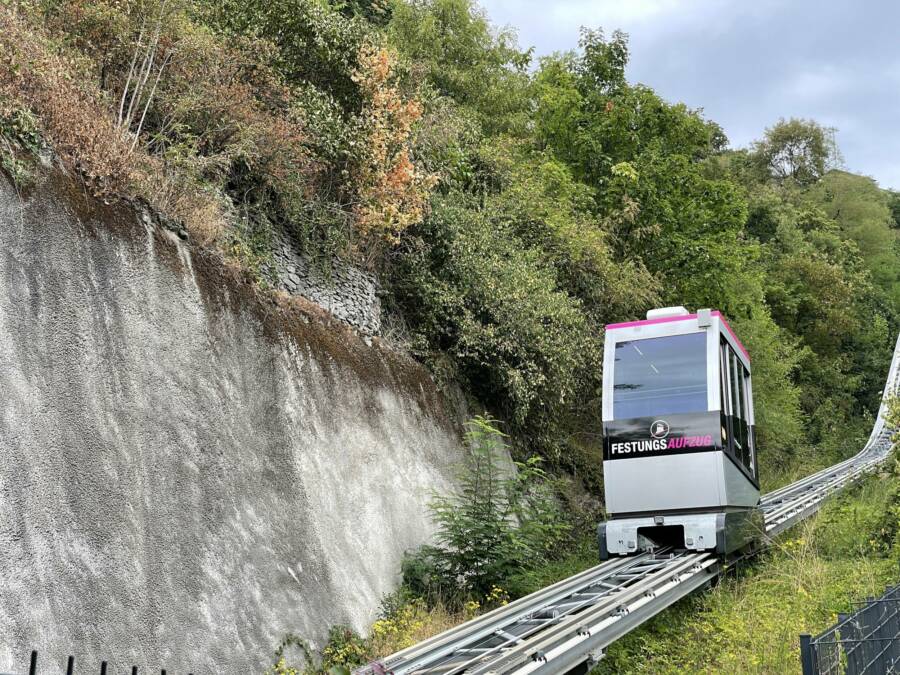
558, 104
894, 205
465, 58
642, 158
473, 291
672, 201
796, 149
376, 12
315, 43
820, 291
863, 212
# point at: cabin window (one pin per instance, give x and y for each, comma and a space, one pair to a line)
660, 376
724, 400
738, 408
724, 396
737, 426
751, 441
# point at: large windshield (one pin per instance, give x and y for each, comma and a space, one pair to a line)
660, 376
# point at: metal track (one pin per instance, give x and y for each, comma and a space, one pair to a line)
571, 622
792, 503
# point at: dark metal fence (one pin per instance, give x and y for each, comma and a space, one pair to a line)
866, 642
70, 667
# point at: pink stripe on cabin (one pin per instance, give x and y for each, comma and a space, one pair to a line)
647, 322
683, 317
731, 332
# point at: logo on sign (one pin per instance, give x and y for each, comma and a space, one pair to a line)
659, 429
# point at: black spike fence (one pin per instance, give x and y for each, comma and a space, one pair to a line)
70, 668
864, 642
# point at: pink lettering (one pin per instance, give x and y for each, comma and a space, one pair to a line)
689, 442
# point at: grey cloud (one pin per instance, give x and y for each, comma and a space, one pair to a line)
748, 64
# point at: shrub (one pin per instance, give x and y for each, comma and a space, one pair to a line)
477, 294
344, 648
495, 525
391, 192
34, 76
347, 92
305, 128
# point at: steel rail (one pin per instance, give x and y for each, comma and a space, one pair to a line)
805, 483
589, 643
487, 624
501, 632
781, 516
802, 508
572, 621
549, 644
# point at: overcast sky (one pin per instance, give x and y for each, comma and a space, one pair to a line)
749, 62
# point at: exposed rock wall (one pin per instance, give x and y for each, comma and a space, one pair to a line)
347, 292
187, 471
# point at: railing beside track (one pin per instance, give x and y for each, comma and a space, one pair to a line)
572, 621
70, 668
865, 642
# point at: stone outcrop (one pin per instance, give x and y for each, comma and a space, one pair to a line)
349, 293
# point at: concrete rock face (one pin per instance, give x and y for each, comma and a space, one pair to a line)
187, 473
347, 292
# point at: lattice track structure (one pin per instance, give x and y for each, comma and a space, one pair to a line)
571, 622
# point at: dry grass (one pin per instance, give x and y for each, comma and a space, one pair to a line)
33, 75
412, 624
176, 196
78, 123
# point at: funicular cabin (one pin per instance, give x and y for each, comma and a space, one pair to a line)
679, 450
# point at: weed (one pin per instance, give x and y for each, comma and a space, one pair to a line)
19, 136
250, 243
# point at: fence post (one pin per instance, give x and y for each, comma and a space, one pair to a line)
868, 630
846, 630
807, 663
32, 669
